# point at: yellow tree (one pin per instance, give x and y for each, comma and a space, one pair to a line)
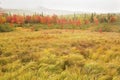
2, 19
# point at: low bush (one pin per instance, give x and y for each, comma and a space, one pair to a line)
103, 28
6, 28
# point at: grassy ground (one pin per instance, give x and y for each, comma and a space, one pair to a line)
59, 55
105, 27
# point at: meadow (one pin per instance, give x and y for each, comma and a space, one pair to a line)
70, 47
59, 55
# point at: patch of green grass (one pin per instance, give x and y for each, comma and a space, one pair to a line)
6, 28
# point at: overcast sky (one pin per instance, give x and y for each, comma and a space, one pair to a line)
71, 5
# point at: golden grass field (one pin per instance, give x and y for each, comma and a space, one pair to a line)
59, 55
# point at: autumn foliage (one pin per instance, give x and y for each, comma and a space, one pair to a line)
54, 19
113, 19
2, 19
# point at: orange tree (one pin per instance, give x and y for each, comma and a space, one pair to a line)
2, 19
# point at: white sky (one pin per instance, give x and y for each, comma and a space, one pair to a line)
72, 5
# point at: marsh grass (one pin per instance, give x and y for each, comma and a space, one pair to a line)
59, 55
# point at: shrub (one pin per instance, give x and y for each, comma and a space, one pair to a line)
36, 28
119, 30
93, 68
106, 29
5, 28
103, 28
106, 77
3, 61
118, 70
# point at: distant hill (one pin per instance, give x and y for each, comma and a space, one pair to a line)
19, 11
16, 11
1, 10
47, 11
38, 10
